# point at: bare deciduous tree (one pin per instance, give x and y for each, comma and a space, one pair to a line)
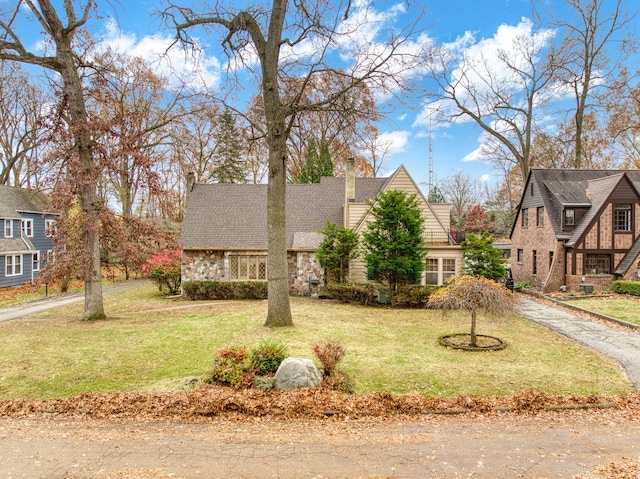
21, 126
63, 34
596, 29
499, 91
274, 36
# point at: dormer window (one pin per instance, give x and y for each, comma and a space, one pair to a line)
8, 228
569, 217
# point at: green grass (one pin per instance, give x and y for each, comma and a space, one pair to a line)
152, 343
620, 307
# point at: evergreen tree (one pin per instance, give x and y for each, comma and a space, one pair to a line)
229, 165
436, 196
481, 258
393, 242
325, 162
316, 165
337, 249
308, 173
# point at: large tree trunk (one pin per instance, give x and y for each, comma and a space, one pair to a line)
72, 88
279, 309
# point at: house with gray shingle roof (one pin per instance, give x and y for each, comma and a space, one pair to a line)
224, 234
577, 227
25, 218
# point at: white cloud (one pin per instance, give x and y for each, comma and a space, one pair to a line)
394, 142
171, 61
475, 61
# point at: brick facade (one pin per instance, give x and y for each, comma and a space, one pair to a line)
542, 241
590, 232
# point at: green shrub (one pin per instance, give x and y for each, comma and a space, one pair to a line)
627, 287
414, 296
353, 293
224, 290
520, 285
231, 367
266, 357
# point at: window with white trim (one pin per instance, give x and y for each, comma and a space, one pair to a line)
36, 261
8, 228
49, 227
431, 271
448, 268
27, 227
13, 265
569, 217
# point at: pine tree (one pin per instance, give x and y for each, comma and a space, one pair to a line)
436, 196
393, 242
325, 162
308, 173
337, 249
481, 258
229, 167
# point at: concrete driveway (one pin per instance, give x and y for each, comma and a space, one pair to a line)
619, 343
59, 300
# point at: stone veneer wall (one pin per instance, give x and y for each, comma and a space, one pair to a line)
303, 266
213, 266
203, 266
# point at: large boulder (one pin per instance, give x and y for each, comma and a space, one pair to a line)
296, 373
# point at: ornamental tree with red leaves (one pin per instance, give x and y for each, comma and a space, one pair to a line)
165, 268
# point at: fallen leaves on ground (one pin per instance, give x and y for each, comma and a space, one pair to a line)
215, 401
617, 470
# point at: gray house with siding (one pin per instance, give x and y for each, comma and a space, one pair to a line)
224, 234
26, 220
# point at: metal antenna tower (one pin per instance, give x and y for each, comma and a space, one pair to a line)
430, 157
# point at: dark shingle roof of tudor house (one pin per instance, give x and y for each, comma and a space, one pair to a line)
228, 216
15, 200
574, 188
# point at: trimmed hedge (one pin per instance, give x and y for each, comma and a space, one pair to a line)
353, 293
212, 290
627, 287
367, 294
414, 296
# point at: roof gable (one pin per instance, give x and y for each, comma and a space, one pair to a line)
14, 201
591, 189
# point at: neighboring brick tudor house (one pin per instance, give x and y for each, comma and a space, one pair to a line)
224, 234
577, 227
26, 219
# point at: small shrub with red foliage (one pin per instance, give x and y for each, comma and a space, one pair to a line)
165, 268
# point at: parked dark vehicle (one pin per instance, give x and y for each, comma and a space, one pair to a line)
507, 281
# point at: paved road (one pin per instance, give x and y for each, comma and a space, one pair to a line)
616, 342
552, 445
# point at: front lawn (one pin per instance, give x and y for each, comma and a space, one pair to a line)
616, 306
153, 343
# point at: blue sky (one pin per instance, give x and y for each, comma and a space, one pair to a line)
132, 27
